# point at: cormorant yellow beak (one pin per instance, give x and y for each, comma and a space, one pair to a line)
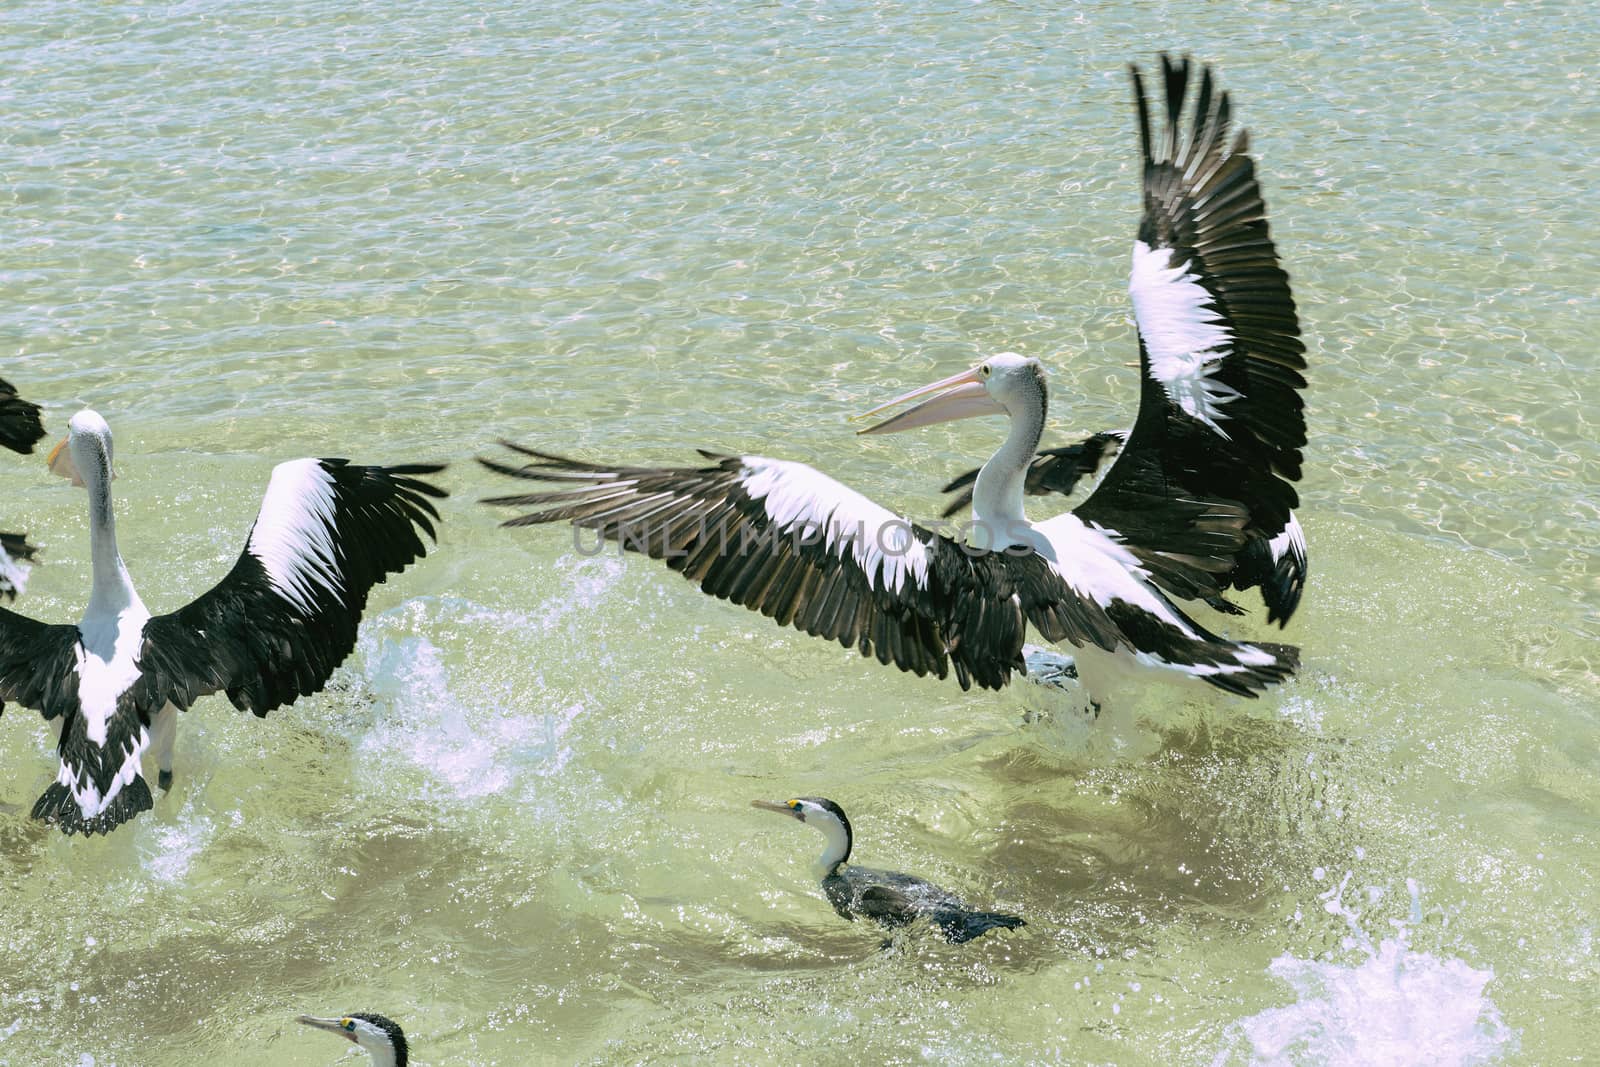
792, 808
344, 1027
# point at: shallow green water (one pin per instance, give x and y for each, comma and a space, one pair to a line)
519, 820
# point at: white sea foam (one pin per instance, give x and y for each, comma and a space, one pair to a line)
170, 849
475, 747
456, 711
590, 579
1394, 1006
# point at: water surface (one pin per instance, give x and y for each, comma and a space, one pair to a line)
518, 820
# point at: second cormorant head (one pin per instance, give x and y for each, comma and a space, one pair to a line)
381, 1037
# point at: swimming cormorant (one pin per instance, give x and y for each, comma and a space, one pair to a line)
892, 898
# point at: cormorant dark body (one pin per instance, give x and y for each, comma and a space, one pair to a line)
895, 899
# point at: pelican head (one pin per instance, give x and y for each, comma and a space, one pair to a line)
381, 1037
1003, 384
826, 816
86, 447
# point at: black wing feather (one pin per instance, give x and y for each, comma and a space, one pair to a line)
1203, 207
1053, 471
20, 426
37, 663
246, 638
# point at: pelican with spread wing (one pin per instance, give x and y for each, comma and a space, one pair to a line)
1206, 469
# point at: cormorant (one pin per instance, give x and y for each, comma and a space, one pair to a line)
381, 1037
892, 898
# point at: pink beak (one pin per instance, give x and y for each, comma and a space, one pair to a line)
960, 396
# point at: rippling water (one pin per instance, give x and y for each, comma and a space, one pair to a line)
518, 821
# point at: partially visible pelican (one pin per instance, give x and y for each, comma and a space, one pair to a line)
20, 428
272, 630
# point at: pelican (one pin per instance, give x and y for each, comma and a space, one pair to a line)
20, 428
272, 630
382, 1037
888, 897
1218, 407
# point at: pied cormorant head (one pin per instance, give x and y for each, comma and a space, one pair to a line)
380, 1036
87, 447
1003, 384
823, 814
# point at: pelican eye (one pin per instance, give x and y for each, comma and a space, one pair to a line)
986, 370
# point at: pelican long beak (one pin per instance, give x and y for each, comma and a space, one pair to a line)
781, 809
960, 396
60, 462
333, 1026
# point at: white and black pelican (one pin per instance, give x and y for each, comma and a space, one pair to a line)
888, 897
272, 630
382, 1037
20, 428
1169, 518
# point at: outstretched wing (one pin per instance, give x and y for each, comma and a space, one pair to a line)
1220, 417
782, 539
285, 616
20, 427
37, 664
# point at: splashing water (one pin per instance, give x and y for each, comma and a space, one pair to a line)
170, 850
1396, 1007
473, 750
434, 712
